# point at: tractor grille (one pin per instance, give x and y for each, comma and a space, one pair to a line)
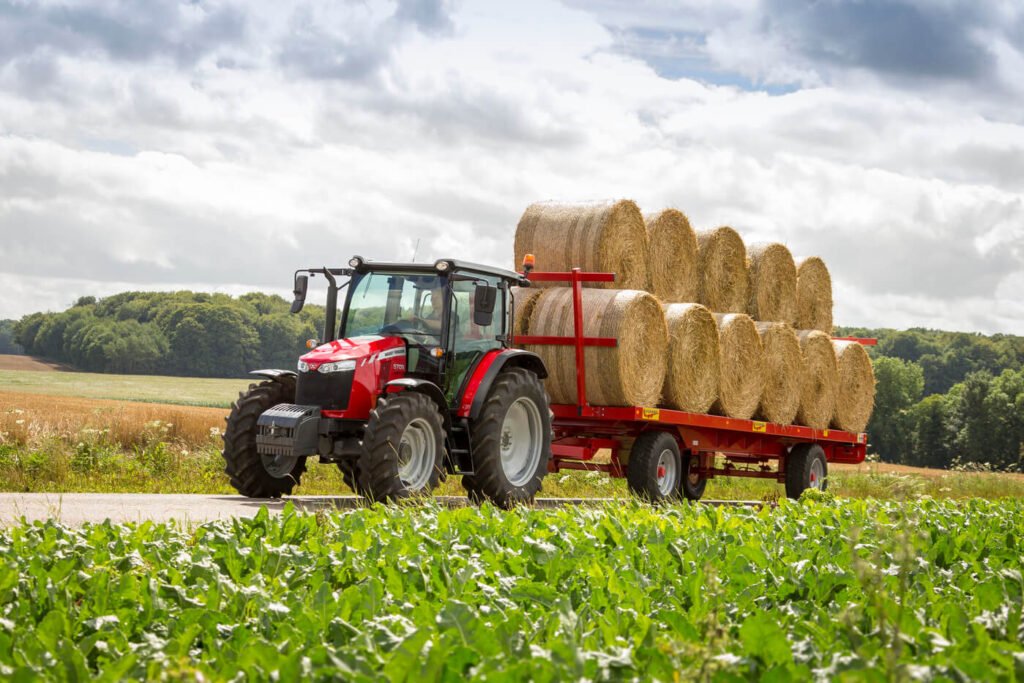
330, 391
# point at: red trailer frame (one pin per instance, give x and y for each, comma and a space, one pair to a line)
750, 447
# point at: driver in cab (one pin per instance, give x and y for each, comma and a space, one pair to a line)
432, 321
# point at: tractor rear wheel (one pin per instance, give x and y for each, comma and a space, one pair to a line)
655, 469
806, 468
511, 441
403, 448
251, 474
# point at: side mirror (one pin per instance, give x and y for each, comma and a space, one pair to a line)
301, 284
483, 305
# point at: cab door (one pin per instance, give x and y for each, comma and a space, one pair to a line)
467, 340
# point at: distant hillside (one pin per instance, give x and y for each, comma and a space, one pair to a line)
172, 333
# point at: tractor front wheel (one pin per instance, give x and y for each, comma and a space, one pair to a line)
252, 474
511, 441
403, 448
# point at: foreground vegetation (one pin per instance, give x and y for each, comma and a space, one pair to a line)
854, 590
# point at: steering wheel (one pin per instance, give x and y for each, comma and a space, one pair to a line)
404, 327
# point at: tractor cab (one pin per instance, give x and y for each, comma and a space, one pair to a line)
407, 387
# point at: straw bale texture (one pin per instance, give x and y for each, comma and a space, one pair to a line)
813, 295
741, 366
772, 283
605, 237
631, 373
722, 271
672, 261
783, 387
856, 397
691, 381
525, 300
821, 380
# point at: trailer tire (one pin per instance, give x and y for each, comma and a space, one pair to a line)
242, 463
655, 469
508, 467
404, 432
806, 468
693, 485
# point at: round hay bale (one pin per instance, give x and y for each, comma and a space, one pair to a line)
813, 295
772, 283
741, 366
630, 374
722, 282
672, 256
525, 300
691, 381
784, 383
856, 397
821, 380
607, 237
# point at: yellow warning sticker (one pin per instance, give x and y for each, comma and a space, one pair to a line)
650, 414
824, 434
760, 426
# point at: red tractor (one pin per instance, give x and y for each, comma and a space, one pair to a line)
419, 381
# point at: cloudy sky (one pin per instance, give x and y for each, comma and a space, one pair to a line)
220, 145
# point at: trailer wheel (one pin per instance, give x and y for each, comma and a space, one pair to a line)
511, 441
693, 484
655, 469
806, 468
403, 449
250, 473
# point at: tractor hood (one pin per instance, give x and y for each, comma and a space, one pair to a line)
360, 349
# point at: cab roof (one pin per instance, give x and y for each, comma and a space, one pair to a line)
454, 266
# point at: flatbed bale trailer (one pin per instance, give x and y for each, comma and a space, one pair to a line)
667, 454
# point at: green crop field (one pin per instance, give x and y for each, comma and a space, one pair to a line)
188, 391
850, 590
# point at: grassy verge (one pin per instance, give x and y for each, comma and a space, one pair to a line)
186, 391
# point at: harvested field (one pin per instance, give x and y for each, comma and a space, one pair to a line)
600, 237
28, 363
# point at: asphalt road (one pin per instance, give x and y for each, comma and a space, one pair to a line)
78, 508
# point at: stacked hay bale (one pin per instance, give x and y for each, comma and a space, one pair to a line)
672, 256
608, 237
741, 332
629, 374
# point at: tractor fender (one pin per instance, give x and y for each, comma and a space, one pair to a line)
274, 374
422, 386
487, 370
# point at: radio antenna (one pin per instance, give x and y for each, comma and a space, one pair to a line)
415, 250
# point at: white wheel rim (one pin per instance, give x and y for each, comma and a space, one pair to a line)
666, 472
417, 453
521, 441
816, 478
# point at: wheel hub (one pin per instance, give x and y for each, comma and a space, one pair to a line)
521, 441
666, 472
417, 452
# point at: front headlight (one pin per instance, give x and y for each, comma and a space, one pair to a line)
338, 366
303, 366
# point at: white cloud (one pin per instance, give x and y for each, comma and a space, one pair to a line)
235, 167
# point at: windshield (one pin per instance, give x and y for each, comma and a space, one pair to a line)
404, 304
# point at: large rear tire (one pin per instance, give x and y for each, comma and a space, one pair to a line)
806, 468
403, 449
250, 473
511, 441
655, 469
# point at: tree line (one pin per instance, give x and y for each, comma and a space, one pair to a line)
172, 333
947, 398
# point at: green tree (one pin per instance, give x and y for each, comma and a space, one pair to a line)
932, 433
899, 385
8, 338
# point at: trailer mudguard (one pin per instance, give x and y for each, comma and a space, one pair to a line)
486, 371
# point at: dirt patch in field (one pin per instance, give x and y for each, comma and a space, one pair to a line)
14, 362
30, 418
